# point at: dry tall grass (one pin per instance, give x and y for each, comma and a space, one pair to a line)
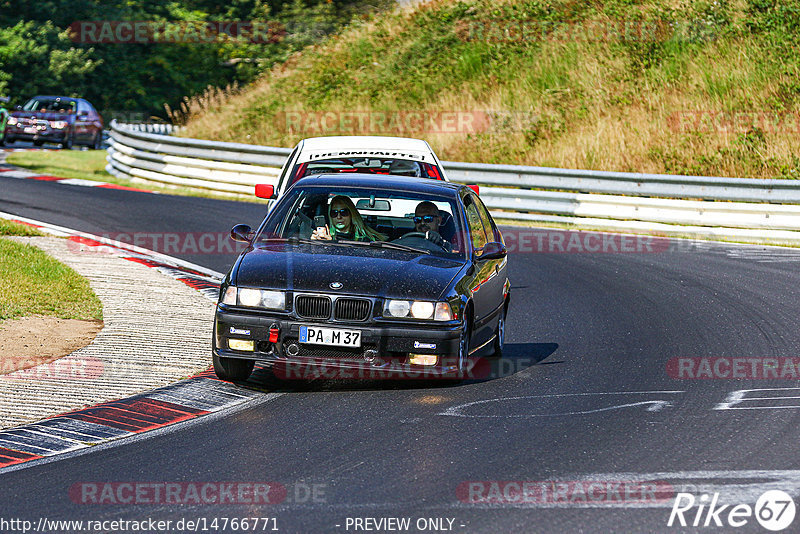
560, 101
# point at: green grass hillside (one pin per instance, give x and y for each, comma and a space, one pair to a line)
692, 87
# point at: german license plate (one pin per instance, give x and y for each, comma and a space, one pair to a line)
30, 130
335, 337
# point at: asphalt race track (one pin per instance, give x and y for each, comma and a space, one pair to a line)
587, 406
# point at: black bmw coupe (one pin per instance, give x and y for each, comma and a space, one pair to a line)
401, 277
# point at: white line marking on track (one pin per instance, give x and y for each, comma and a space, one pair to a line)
740, 396
652, 405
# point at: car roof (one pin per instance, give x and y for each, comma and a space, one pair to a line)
383, 182
365, 146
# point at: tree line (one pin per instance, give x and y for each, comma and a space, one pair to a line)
131, 58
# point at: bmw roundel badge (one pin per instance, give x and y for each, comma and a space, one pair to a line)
336, 285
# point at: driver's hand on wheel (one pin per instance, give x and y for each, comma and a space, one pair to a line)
437, 239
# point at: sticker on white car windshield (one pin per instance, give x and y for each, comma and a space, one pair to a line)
362, 154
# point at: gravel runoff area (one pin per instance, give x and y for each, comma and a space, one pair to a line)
156, 330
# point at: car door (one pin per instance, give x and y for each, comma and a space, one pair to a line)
483, 298
81, 123
498, 284
95, 126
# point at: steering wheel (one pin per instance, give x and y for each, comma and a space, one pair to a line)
429, 245
413, 234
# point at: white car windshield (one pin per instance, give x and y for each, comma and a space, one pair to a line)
367, 165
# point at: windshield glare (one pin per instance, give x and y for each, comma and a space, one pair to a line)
51, 105
356, 217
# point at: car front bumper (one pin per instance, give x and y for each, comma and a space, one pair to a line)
46, 135
384, 351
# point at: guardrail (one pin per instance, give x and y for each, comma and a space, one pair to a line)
220, 167
733, 208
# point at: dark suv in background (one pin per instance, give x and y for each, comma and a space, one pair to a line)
56, 119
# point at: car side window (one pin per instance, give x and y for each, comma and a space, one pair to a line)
476, 230
488, 223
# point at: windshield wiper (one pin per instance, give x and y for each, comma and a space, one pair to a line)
397, 246
300, 240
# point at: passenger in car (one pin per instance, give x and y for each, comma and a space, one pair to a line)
347, 223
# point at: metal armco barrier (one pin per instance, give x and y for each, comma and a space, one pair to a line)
731, 208
220, 167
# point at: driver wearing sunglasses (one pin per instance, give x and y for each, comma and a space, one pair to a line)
427, 221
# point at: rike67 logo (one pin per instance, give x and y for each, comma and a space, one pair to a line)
774, 510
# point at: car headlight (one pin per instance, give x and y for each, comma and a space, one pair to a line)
12, 121
58, 125
418, 309
254, 298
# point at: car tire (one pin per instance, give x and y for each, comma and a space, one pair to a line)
500, 333
97, 143
463, 353
38, 143
67, 144
232, 369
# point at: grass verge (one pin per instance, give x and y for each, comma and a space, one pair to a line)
33, 283
83, 164
12, 228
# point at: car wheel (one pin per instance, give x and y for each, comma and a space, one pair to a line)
38, 143
463, 354
67, 144
500, 334
97, 144
232, 369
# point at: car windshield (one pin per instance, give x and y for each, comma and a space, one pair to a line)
50, 105
367, 165
401, 220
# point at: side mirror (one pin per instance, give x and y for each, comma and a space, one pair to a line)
493, 251
18, 108
265, 190
475, 188
242, 232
